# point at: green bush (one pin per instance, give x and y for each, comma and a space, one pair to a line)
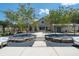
0, 35
6, 34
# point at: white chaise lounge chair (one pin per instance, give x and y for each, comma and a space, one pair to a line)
76, 41
3, 41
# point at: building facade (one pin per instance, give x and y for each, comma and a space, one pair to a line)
42, 25
58, 27
65, 27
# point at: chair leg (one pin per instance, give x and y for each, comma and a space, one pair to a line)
7, 44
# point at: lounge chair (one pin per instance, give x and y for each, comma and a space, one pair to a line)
76, 41
3, 41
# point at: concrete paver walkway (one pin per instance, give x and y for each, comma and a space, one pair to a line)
39, 41
67, 51
39, 44
39, 51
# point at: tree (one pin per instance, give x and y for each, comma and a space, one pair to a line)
4, 24
35, 25
60, 16
21, 18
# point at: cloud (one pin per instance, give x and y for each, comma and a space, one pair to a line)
47, 11
43, 11
69, 1
68, 4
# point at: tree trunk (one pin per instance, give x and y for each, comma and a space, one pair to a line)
3, 29
74, 29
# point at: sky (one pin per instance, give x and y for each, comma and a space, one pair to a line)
41, 9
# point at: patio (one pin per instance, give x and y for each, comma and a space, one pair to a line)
39, 51
39, 47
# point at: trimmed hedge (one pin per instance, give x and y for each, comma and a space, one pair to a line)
6, 34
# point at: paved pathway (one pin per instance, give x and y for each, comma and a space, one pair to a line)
39, 44
40, 40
